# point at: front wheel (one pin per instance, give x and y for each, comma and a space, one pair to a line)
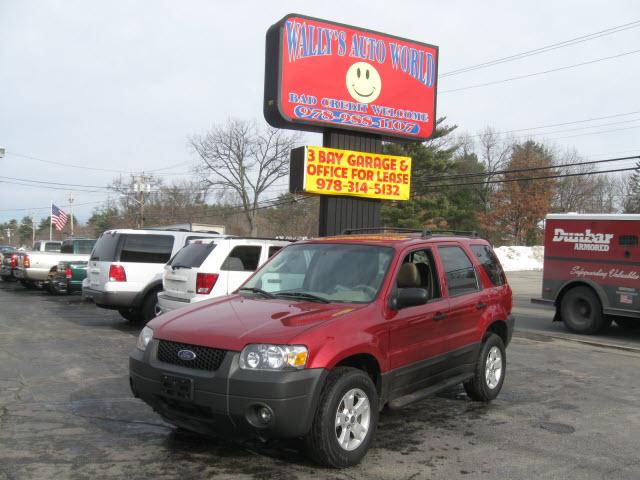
490, 370
345, 422
581, 311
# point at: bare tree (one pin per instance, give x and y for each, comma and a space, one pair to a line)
495, 153
247, 160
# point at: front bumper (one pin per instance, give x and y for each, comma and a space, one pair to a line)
228, 399
111, 300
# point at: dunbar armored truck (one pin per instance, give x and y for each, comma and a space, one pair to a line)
592, 270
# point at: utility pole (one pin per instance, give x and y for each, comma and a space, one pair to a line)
71, 199
8, 230
33, 229
140, 185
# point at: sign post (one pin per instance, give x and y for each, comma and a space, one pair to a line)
359, 88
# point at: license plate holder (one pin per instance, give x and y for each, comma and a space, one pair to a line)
177, 387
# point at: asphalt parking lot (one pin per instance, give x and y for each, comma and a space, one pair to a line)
568, 409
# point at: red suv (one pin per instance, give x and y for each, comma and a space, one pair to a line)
326, 334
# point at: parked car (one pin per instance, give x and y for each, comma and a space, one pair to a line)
6, 271
210, 268
68, 277
36, 268
326, 334
125, 269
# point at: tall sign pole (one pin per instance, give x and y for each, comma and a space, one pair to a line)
51, 221
358, 88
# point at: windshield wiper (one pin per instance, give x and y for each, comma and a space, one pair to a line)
173, 267
303, 295
258, 290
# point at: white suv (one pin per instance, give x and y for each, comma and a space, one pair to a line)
212, 268
125, 269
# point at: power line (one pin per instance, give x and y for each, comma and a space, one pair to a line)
84, 167
520, 77
546, 48
560, 124
546, 177
520, 170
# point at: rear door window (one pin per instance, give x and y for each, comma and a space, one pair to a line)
52, 247
192, 255
84, 246
146, 248
36, 246
489, 261
243, 258
105, 248
67, 247
461, 276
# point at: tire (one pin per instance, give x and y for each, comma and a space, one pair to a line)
628, 323
323, 440
581, 311
489, 372
131, 314
149, 305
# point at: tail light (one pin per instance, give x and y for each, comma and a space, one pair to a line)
14, 260
117, 273
26, 262
67, 272
205, 282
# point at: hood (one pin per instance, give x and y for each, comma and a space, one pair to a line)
232, 322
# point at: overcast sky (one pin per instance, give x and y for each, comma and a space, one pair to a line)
121, 85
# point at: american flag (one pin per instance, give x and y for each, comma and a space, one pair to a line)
58, 218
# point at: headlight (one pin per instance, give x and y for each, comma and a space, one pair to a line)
273, 357
144, 338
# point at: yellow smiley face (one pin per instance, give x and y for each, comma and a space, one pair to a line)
363, 82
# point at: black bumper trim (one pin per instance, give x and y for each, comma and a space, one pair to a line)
227, 400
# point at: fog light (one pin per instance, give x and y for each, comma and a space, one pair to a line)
265, 414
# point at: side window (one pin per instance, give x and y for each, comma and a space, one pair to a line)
628, 240
146, 248
461, 276
36, 246
242, 259
422, 274
52, 247
273, 250
67, 247
487, 258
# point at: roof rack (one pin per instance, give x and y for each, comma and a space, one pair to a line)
423, 232
458, 233
351, 231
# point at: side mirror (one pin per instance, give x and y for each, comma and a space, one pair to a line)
409, 297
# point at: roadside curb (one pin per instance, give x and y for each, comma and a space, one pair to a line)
531, 334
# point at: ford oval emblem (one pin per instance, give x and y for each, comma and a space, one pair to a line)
186, 355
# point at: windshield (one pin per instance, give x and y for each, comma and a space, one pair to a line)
331, 272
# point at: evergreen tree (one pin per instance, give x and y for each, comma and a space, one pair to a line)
432, 206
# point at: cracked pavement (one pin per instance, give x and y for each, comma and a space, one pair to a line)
567, 410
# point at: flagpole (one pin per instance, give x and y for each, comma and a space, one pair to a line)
51, 222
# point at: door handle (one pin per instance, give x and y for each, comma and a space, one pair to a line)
480, 306
439, 316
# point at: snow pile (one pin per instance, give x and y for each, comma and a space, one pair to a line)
520, 258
